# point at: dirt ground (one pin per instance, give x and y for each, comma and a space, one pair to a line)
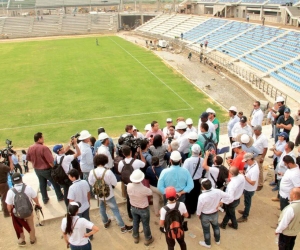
257, 233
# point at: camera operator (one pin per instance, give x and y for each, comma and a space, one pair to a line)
4, 170
15, 160
66, 163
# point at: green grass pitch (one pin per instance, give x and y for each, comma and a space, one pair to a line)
60, 87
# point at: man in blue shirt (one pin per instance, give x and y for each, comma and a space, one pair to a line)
177, 177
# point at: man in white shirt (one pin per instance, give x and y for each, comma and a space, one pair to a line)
86, 158
183, 139
101, 161
207, 210
194, 166
261, 144
32, 195
169, 122
103, 149
66, 164
235, 190
290, 179
204, 119
136, 164
241, 128
212, 173
257, 115
251, 182
190, 127
80, 191
289, 222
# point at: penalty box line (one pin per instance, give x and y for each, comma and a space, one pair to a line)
93, 119
153, 74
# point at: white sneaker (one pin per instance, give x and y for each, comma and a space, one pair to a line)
218, 242
202, 243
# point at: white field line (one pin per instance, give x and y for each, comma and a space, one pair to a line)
94, 119
153, 74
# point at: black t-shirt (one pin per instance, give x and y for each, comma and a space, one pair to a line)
4, 170
281, 112
288, 121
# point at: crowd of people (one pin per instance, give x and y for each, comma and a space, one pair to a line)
177, 166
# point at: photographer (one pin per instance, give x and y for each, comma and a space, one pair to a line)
4, 170
66, 163
15, 160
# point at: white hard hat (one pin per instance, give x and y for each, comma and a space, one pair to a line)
181, 125
189, 121
148, 127
279, 99
233, 108
175, 156
193, 136
102, 136
196, 148
84, 134
137, 176
245, 138
209, 110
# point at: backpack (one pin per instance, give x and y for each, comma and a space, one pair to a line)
209, 143
23, 206
127, 171
173, 222
58, 174
100, 188
222, 176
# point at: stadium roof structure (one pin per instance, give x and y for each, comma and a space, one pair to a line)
31, 4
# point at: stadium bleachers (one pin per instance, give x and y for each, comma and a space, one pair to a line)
282, 1
196, 34
229, 1
254, 1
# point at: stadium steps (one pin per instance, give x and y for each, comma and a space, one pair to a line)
16, 27
49, 26
104, 21
169, 24
156, 22
264, 44
2, 23
74, 24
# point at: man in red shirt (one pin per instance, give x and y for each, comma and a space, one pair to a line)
42, 160
238, 159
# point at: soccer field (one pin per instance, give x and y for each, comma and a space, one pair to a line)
60, 87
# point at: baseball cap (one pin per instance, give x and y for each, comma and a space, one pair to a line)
284, 134
204, 115
16, 177
236, 144
175, 156
169, 120
170, 192
233, 108
247, 156
56, 148
103, 136
287, 110
196, 148
279, 99
243, 119
209, 110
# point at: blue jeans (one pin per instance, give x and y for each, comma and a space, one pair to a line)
230, 213
142, 215
44, 175
206, 221
86, 214
88, 246
114, 208
86, 177
247, 202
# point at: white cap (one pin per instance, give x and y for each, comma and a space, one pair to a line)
245, 138
137, 176
181, 125
193, 136
169, 120
84, 134
233, 108
279, 99
189, 121
236, 144
196, 148
133, 127
209, 110
148, 127
175, 156
102, 136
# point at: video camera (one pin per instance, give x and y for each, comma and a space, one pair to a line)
128, 140
75, 136
6, 152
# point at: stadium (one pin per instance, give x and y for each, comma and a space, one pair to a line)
69, 65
